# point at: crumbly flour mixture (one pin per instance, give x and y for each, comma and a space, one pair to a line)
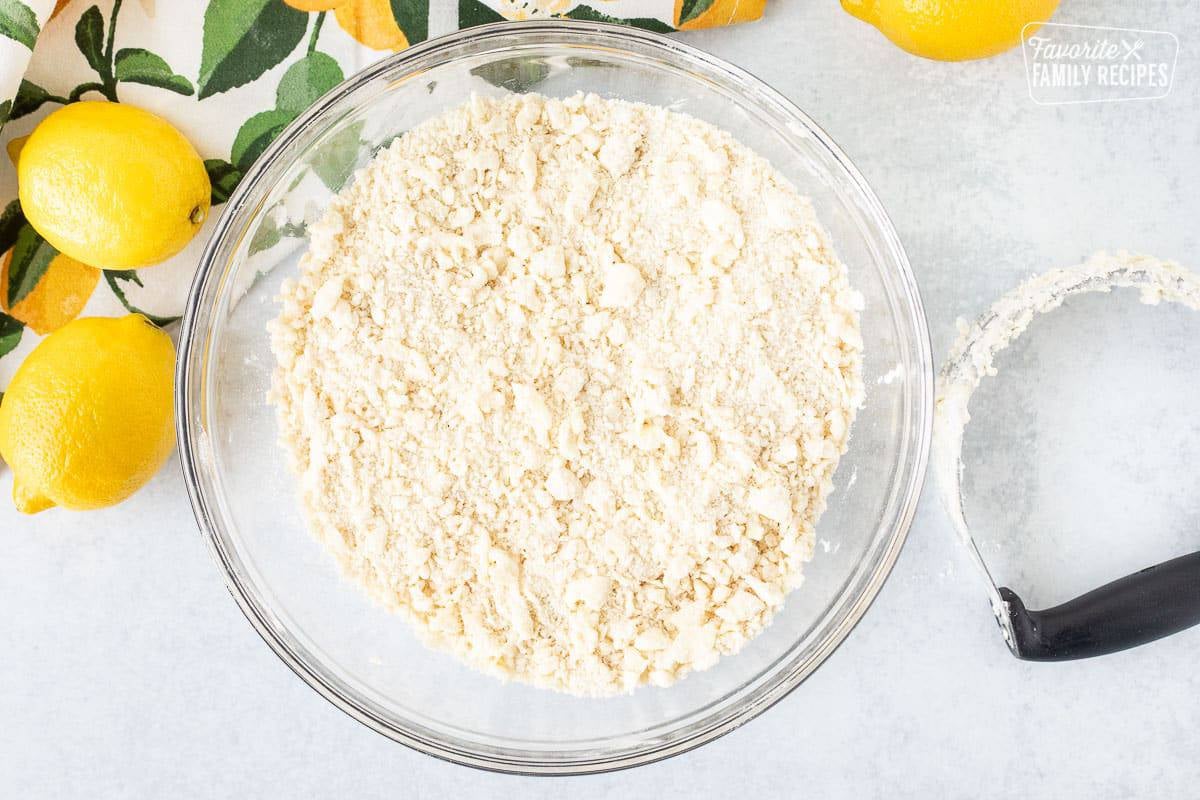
565, 382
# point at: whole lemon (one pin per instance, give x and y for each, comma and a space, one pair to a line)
112, 185
88, 417
952, 30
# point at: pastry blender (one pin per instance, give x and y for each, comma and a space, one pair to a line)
1138, 608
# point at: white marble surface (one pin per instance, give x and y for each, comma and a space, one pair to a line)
127, 671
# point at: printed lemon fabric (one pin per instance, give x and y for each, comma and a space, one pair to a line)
231, 74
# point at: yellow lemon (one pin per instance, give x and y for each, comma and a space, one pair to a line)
372, 23
88, 418
112, 185
59, 296
953, 30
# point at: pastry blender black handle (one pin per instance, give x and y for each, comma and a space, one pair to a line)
1139, 608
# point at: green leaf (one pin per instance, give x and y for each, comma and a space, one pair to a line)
690, 9
30, 98
224, 178
10, 334
89, 38
255, 134
11, 221
31, 258
473, 12
336, 158
18, 22
519, 74
413, 18
305, 82
135, 65
589, 14
5, 109
112, 276
245, 38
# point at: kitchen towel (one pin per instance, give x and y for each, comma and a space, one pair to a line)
230, 74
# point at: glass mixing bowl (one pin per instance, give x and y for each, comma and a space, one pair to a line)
367, 661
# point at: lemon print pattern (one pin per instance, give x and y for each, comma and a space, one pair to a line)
696, 14
371, 23
88, 417
14, 147
57, 297
314, 5
953, 30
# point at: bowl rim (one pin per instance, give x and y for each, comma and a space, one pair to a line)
583, 34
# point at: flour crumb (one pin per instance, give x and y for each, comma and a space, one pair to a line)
565, 383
